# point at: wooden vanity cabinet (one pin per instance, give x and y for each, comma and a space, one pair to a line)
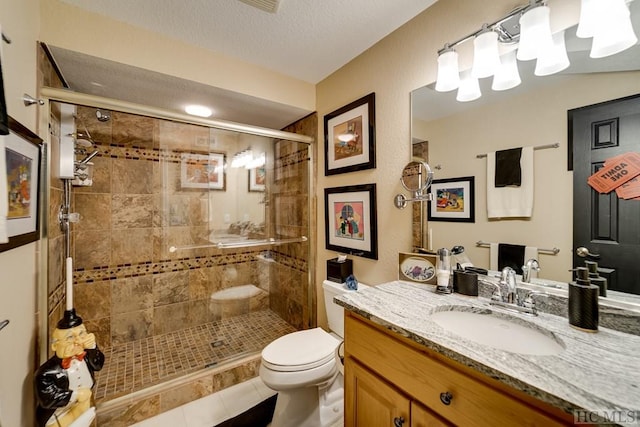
391, 381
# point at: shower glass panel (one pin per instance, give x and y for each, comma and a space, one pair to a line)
184, 260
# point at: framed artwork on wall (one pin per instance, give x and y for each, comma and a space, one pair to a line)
257, 178
349, 137
202, 171
350, 220
22, 156
453, 200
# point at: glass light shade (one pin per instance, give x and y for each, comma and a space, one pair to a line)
590, 13
614, 32
486, 58
553, 60
448, 74
469, 89
507, 76
535, 33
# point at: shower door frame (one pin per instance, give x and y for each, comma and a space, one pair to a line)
49, 94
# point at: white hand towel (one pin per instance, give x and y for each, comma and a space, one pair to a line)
493, 256
509, 202
530, 252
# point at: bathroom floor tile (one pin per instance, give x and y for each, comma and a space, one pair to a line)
139, 364
264, 391
206, 412
172, 418
240, 397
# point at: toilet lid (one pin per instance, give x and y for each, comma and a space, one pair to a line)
300, 350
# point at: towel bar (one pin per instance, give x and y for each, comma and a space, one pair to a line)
537, 147
553, 251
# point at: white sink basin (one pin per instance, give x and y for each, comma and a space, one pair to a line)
499, 331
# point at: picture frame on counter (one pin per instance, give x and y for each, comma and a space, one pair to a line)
417, 268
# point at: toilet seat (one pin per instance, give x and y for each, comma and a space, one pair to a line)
300, 351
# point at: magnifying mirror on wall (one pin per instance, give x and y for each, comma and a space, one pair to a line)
416, 178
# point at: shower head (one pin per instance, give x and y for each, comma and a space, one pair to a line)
102, 116
85, 143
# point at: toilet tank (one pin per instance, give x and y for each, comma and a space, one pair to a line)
335, 312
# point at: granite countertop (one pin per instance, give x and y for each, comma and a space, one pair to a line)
595, 372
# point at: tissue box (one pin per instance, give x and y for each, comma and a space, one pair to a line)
339, 271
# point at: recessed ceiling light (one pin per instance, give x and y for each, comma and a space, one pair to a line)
198, 110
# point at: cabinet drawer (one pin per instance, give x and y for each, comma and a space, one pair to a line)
421, 374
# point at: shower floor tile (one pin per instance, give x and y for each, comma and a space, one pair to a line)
133, 366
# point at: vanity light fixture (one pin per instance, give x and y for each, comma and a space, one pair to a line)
507, 76
486, 57
553, 59
607, 21
448, 74
613, 31
469, 89
198, 110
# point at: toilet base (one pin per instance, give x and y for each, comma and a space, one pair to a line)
314, 406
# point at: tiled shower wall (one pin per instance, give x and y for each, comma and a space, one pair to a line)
128, 286
419, 210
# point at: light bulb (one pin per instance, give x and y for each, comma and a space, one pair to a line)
448, 74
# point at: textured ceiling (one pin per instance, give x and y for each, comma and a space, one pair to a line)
304, 39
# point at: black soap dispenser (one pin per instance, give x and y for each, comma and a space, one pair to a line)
595, 278
583, 302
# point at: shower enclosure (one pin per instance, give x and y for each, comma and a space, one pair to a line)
192, 251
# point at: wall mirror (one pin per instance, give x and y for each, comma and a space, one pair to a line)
451, 133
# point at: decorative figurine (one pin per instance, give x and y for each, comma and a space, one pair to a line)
64, 382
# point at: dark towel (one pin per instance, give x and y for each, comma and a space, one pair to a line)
510, 256
508, 171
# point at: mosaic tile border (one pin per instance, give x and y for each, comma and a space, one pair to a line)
146, 268
175, 156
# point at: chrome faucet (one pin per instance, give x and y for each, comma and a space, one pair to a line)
527, 270
508, 279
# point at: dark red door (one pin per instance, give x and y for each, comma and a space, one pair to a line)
602, 223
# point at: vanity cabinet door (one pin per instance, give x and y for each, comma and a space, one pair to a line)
421, 416
452, 391
372, 402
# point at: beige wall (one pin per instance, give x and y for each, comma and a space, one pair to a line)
72, 28
401, 62
20, 21
407, 60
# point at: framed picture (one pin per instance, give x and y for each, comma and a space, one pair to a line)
257, 178
22, 156
202, 171
349, 137
418, 268
453, 200
350, 220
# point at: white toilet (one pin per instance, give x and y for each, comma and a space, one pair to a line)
304, 369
